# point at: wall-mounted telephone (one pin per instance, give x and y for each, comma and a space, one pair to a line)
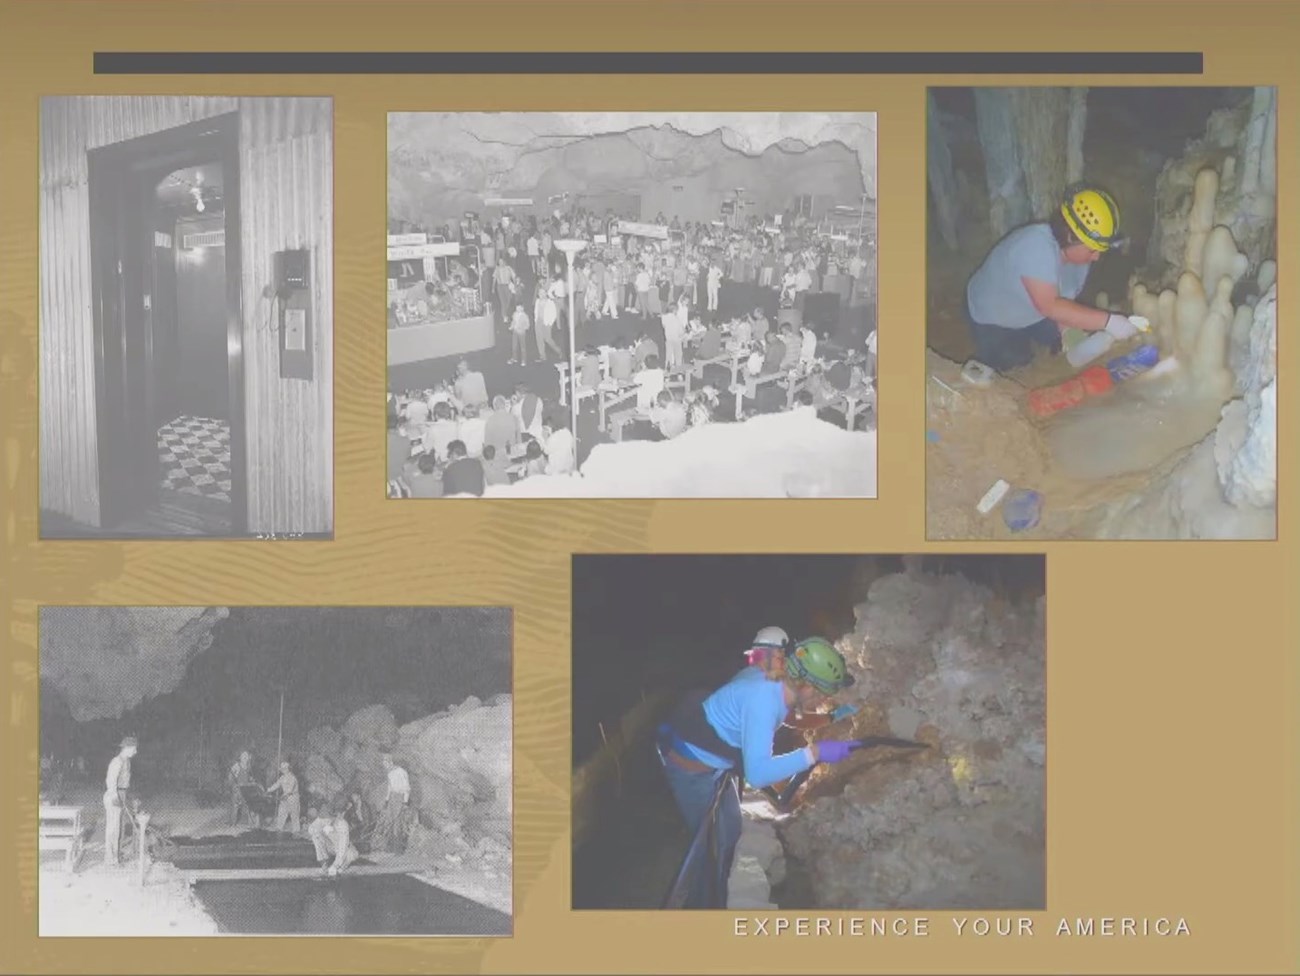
293, 294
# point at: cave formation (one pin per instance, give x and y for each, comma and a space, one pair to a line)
1199, 192
947, 650
327, 688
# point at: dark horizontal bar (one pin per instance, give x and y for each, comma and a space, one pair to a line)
647, 62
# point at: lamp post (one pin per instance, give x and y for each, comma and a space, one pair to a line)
570, 249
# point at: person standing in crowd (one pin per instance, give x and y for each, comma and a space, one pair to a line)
519, 326
116, 784
715, 282
674, 327
547, 313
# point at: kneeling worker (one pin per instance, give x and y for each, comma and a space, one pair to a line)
1024, 292
733, 729
332, 837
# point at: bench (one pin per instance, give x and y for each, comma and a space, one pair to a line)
61, 829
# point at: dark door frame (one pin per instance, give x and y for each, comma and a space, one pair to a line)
116, 172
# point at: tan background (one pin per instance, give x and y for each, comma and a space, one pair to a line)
1173, 682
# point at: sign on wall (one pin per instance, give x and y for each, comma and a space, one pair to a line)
413, 251
642, 230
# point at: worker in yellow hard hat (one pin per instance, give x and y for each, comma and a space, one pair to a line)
1025, 291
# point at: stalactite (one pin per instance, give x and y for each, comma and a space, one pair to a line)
995, 120
942, 181
1077, 125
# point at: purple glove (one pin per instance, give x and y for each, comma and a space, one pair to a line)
833, 751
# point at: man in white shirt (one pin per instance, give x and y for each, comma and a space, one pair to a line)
392, 826
331, 835
547, 314
471, 388
289, 808
649, 383
643, 292
473, 431
808, 346
560, 457
116, 783
674, 329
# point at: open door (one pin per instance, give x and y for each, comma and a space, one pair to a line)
138, 380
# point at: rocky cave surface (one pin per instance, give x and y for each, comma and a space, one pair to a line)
949, 662
106, 660
459, 761
441, 164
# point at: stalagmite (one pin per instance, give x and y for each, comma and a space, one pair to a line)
1190, 309
1074, 137
942, 182
1201, 220
1266, 276
1167, 320
995, 120
1221, 259
1209, 359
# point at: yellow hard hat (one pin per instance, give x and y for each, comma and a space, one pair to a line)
1093, 215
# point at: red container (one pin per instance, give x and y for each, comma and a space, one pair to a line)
1047, 400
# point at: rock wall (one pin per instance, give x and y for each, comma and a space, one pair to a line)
1226, 487
107, 660
949, 662
459, 762
439, 162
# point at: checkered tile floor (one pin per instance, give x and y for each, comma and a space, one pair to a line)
195, 453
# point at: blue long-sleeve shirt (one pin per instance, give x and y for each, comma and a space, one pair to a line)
746, 712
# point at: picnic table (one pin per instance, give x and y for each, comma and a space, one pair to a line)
60, 828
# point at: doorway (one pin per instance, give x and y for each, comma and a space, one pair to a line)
165, 252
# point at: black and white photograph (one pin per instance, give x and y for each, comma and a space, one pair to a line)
186, 317
809, 732
276, 771
631, 304
1101, 325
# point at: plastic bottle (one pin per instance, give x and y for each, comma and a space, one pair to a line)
1090, 348
1140, 360
1048, 400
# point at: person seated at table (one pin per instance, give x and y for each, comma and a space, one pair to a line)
645, 348
669, 415
470, 388
442, 431
803, 404
496, 466
759, 325
839, 375
742, 331
417, 413
463, 475
560, 451
589, 368
399, 448
649, 382
502, 427
793, 346
422, 478
710, 343
534, 459
622, 363
473, 430
807, 345
774, 355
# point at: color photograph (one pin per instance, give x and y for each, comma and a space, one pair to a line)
1102, 313
782, 732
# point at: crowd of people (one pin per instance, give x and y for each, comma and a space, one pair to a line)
648, 308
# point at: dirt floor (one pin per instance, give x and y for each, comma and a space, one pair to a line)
98, 900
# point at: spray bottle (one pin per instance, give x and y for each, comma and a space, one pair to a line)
1097, 344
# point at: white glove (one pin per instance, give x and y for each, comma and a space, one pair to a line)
1120, 327
333, 871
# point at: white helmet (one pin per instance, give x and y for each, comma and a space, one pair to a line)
771, 637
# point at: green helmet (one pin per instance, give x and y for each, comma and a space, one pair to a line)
816, 661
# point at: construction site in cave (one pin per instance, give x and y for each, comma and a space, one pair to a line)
275, 771
948, 655
1181, 445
